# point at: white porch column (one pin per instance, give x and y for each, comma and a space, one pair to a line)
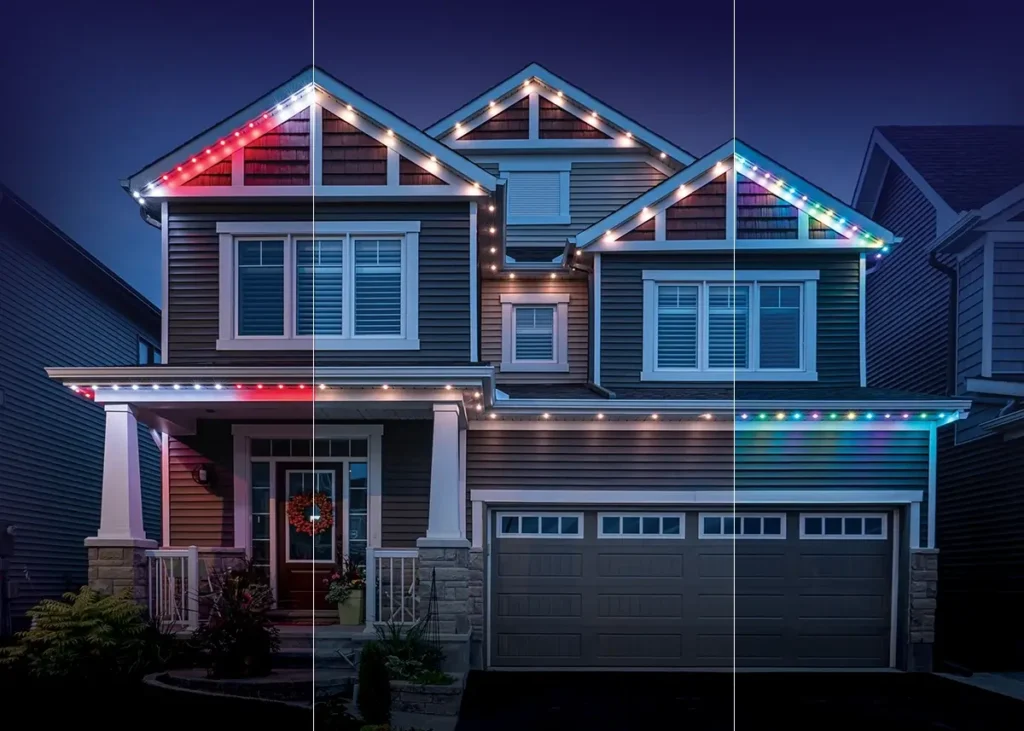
446, 527
121, 508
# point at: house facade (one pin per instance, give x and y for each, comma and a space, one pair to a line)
600, 400
58, 306
959, 279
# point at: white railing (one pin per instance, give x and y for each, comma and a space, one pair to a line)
174, 586
391, 584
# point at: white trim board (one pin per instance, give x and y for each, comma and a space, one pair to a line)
696, 497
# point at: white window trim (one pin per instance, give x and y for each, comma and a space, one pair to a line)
647, 536
741, 536
808, 280
233, 231
542, 536
560, 301
843, 537
562, 167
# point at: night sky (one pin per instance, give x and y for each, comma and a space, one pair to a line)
94, 91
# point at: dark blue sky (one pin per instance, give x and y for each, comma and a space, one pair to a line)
94, 91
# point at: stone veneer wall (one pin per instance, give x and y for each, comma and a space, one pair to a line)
476, 607
924, 582
115, 568
449, 567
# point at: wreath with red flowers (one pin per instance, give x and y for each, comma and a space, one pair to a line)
323, 508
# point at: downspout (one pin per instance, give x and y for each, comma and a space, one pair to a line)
951, 274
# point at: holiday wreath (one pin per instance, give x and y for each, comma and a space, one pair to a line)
322, 508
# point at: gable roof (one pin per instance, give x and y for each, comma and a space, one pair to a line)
781, 182
42, 238
559, 89
289, 95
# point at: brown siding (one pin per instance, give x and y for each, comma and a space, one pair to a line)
351, 157
281, 156
409, 173
511, 124
201, 516
193, 272
556, 123
643, 232
579, 327
818, 230
700, 215
405, 482
761, 215
217, 174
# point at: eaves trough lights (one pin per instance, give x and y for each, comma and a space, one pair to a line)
90, 391
822, 417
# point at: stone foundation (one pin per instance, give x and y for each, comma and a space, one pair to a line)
449, 568
476, 606
115, 566
433, 700
924, 582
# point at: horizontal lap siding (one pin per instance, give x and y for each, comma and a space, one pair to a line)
579, 327
699, 459
908, 300
202, 515
970, 303
405, 482
1008, 308
51, 440
193, 296
622, 309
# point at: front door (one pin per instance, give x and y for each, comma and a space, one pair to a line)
310, 496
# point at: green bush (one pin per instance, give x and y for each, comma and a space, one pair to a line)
407, 650
238, 639
374, 685
89, 637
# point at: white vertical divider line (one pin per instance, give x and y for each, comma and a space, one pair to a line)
313, 175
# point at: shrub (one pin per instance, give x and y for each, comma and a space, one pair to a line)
238, 639
344, 579
407, 650
374, 685
89, 637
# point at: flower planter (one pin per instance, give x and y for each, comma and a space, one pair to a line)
350, 611
433, 700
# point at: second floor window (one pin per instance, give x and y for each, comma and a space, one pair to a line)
534, 332
349, 291
708, 326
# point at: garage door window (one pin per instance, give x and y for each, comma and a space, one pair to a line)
540, 525
633, 525
859, 526
742, 525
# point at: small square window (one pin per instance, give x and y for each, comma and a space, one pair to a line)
853, 526
833, 526
302, 447
339, 448
359, 447
772, 526
260, 447
281, 448
872, 526
610, 525
713, 526
549, 525
570, 526
728, 526
510, 524
651, 526
670, 526
631, 525
752, 526
812, 526
531, 524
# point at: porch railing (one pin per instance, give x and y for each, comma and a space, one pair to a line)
174, 586
392, 581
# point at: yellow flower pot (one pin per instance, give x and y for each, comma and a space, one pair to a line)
350, 611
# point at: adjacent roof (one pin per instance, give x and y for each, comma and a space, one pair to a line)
715, 392
34, 232
966, 165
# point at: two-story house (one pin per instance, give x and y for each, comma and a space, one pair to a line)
59, 305
606, 397
956, 196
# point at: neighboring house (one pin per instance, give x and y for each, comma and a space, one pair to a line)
526, 323
59, 306
946, 315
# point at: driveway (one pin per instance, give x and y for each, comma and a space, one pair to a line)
628, 701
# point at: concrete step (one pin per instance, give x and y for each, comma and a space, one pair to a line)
307, 659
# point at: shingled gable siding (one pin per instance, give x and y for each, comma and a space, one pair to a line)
596, 189
579, 326
622, 309
193, 291
907, 315
51, 440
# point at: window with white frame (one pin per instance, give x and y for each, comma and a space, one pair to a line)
537, 192
716, 325
540, 525
641, 525
351, 286
535, 331
862, 526
742, 525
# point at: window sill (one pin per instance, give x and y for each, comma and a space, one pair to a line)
319, 344
534, 368
729, 376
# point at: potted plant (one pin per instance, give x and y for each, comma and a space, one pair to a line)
345, 587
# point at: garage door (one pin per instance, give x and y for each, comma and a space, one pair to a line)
626, 589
